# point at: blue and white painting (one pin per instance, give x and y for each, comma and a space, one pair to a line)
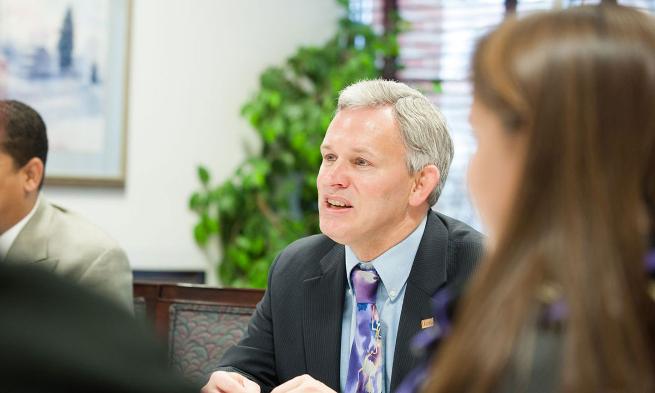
67, 59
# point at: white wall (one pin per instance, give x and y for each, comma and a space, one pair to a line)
193, 64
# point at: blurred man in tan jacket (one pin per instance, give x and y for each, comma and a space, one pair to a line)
34, 231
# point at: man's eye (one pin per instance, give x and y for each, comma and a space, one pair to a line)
361, 162
329, 157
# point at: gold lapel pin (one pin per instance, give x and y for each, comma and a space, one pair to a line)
427, 323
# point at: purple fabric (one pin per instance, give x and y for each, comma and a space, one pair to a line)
650, 261
441, 302
425, 343
365, 283
556, 312
365, 364
414, 380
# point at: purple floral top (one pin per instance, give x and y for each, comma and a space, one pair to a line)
427, 341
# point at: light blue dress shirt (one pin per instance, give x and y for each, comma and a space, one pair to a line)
393, 267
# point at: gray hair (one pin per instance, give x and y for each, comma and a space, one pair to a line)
422, 127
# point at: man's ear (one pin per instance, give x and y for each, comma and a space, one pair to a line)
425, 181
32, 174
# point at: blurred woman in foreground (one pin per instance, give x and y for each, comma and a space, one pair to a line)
564, 179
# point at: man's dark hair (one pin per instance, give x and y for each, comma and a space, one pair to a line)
22, 133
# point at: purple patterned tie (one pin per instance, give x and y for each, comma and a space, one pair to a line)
365, 366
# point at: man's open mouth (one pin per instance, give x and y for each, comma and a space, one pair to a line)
337, 204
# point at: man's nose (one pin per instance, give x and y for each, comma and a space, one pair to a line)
336, 175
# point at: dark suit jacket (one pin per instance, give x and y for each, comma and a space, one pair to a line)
296, 328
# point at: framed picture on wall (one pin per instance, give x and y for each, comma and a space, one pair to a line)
68, 59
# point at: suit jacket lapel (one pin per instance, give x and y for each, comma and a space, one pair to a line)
31, 244
322, 315
427, 275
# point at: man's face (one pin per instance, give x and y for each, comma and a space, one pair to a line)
11, 191
363, 183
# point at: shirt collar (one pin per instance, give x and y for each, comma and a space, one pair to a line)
393, 265
7, 239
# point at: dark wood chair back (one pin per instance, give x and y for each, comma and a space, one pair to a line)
199, 323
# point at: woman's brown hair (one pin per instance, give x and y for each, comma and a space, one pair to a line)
580, 84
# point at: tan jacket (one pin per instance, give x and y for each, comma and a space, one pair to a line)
68, 245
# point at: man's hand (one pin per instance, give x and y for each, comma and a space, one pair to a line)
303, 383
228, 382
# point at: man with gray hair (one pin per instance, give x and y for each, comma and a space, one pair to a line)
342, 306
